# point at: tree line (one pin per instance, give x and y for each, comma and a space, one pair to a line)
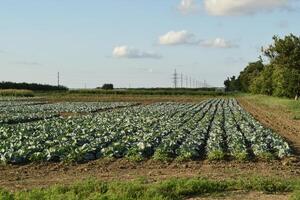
280, 76
31, 86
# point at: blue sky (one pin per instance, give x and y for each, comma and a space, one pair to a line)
136, 43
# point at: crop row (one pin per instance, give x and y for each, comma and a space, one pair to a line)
16, 112
214, 128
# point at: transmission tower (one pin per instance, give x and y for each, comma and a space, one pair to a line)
175, 79
58, 79
186, 81
205, 84
181, 80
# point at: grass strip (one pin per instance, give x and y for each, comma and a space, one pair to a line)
173, 189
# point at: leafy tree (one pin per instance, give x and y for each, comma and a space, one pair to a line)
284, 52
284, 56
232, 84
247, 76
227, 85
108, 86
31, 86
263, 83
281, 77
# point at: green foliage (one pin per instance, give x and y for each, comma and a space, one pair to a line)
31, 86
266, 156
108, 86
263, 84
167, 130
173, 189
232, 84
280, 77
288, 105
241, 156
216, 155
161, 155
284, 51
295, 195
248, 75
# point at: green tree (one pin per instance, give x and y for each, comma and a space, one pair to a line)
248, 75
284, 56
263, 83
232, 84
284, 52
108, 86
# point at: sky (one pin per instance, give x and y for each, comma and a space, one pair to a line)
137, 43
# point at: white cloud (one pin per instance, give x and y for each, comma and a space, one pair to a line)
218, 43
177, 38
185, 38
187, 6
239, 7
128, 52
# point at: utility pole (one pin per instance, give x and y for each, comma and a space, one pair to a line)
57, 79
175, 79
190, 82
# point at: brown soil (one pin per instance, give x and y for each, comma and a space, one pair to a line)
276, 119
43, 175
238, 195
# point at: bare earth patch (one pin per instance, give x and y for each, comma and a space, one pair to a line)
43, 175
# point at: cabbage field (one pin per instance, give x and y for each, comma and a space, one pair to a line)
22, 111
215, 129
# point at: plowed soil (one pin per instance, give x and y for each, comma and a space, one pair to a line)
43, 175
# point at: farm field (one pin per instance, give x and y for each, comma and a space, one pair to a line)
65, 142
215, 129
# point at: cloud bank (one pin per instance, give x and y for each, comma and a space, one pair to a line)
185, 38
177, 38
218, 43
239, 7
128, 52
